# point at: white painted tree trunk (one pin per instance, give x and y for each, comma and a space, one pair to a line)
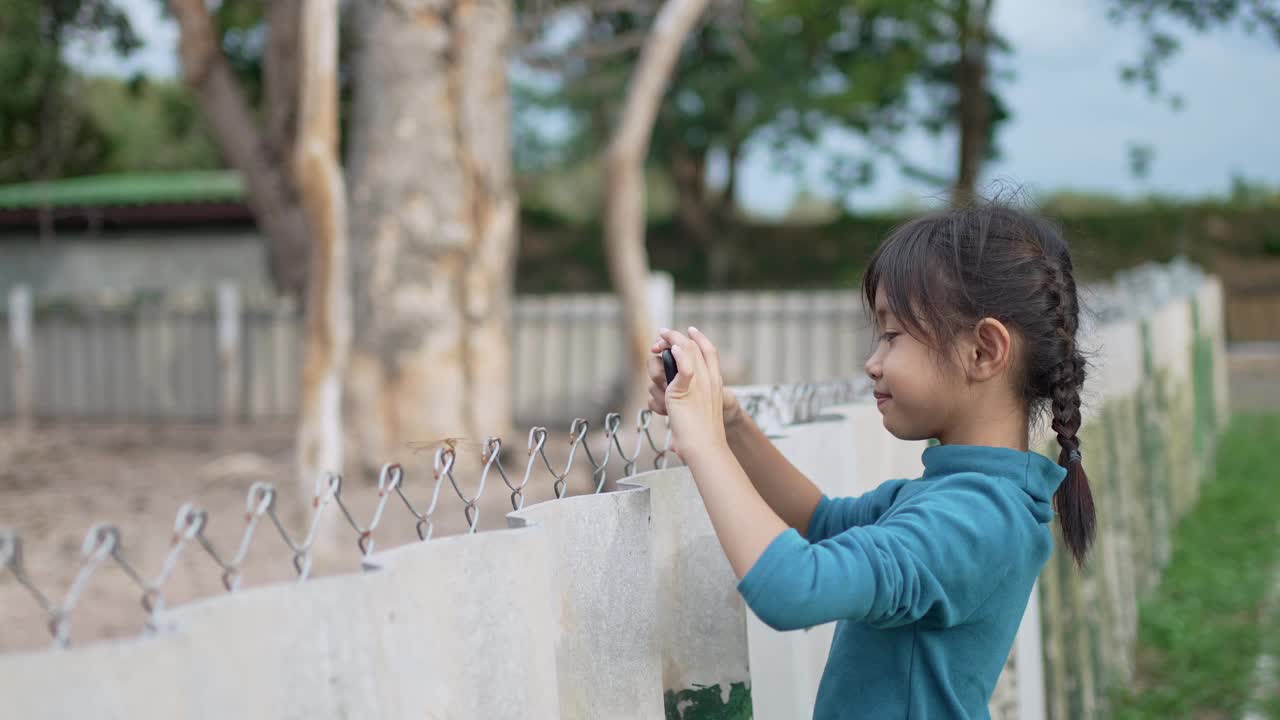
328, 323
624, 183
433, 224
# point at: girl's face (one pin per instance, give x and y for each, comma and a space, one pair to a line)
917, 392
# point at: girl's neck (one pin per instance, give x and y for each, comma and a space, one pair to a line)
996, 425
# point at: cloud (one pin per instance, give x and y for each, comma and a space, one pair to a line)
1049, 27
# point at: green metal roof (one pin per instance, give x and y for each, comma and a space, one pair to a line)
126, 189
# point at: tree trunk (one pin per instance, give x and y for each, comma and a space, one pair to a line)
624, 185
693, 207
689, 172
282, 61
433, 224
328, 307
269, 189
973, 103
703, 218
722, 253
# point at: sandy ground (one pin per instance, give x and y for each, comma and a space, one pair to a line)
1255, 377
57, 481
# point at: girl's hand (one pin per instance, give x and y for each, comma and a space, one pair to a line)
730, 406
696, 400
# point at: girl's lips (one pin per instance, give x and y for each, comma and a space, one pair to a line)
882, 398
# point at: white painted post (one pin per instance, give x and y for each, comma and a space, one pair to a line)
20, 341
229, 331
662, 299
286, 329
1028, 662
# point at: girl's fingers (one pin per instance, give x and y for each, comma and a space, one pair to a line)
675, 339
657, 393
657, 373
689, 362
709, 352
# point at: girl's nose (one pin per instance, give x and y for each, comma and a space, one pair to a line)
872, 366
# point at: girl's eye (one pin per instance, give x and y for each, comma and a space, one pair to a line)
888, 335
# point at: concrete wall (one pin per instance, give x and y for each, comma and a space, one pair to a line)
1156, 407
608, 659
623, 605
135, 260
701, 629
456, 628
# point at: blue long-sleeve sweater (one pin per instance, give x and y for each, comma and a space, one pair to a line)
929, 579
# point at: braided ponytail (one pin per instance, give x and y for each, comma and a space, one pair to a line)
1073, 501
943, 273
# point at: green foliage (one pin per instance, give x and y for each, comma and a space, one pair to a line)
45, 130
243, 31
1201, 16
781, 74
707, 703
1105, 236
1201, 632
154, 126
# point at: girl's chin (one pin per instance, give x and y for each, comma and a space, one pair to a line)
895, 428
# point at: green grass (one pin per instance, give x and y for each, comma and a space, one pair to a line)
1201, 632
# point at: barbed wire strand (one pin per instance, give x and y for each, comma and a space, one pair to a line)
326, 488
389, 479
424, 518
788, 404
488, 456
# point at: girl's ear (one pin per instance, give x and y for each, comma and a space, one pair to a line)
992, 350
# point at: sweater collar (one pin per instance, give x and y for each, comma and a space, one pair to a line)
1036, 474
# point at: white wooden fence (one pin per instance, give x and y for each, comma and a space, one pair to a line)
213, 357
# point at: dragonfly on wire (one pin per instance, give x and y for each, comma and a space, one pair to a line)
457, 445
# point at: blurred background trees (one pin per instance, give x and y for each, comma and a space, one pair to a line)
476, 152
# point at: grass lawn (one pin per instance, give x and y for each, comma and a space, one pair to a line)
1200, 634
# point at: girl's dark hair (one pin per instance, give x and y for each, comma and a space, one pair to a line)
944, 272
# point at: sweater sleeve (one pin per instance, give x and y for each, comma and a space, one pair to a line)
937, 558
833, 516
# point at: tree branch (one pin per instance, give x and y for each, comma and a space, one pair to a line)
728, 198
281, 79
625, 196
584, 51
906, 166
270, 192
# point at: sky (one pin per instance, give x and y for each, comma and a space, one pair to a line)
1073, 118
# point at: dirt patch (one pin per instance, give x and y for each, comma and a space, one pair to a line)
1254, 369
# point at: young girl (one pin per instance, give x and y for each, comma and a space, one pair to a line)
976, 313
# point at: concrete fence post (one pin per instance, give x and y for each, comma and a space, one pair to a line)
229, 324
22, 347
602, 580
662, 299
